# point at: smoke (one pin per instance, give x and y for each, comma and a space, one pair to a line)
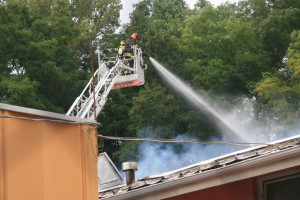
156, 158
159, 157
238, 125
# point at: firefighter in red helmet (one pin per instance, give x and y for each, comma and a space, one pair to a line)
128, 53
134, 39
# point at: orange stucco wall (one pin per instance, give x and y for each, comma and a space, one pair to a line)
239, 190
46, 160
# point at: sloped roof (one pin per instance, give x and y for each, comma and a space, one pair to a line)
261, 154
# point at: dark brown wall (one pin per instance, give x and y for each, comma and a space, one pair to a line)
240, 190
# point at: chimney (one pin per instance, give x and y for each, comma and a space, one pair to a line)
129, 168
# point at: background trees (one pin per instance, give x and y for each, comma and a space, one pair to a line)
280, 92
40, 47
233, 51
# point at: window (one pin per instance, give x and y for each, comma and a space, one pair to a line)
283, 187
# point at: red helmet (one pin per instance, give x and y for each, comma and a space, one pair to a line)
135, 36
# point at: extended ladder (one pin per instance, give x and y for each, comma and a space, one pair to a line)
107, 78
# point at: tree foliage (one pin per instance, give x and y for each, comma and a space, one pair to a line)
230, 51
39, 48
249, 49
280, 92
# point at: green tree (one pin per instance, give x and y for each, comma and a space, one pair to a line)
275, 20
152, 108
202, 4
16, 87
20, 91
40, 53
41, 7
51, 61
228, 55
224, 51
15, 21
279, 93
93, 18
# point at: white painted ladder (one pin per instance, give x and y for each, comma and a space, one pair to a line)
107, 79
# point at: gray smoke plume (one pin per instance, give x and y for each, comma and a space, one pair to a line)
158, 157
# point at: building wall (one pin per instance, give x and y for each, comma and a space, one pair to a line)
46, 160
239, 190
247, 189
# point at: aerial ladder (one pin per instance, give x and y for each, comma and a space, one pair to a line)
110, 75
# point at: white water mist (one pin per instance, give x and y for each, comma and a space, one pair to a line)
202, 103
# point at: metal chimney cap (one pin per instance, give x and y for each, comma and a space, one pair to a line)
129, 166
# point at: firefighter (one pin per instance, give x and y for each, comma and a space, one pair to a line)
121, 49
128, 54
134, 39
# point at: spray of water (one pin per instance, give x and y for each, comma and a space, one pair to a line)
201, 102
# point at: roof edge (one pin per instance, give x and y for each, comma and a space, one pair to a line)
224, 156
241, 167
42, 113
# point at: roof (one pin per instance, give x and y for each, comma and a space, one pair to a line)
42, 113
224, 164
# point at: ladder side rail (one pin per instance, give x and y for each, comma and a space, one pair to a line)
100, 92
138, 61
138, 58
104, 90
108, 87
81, 99
87, 109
